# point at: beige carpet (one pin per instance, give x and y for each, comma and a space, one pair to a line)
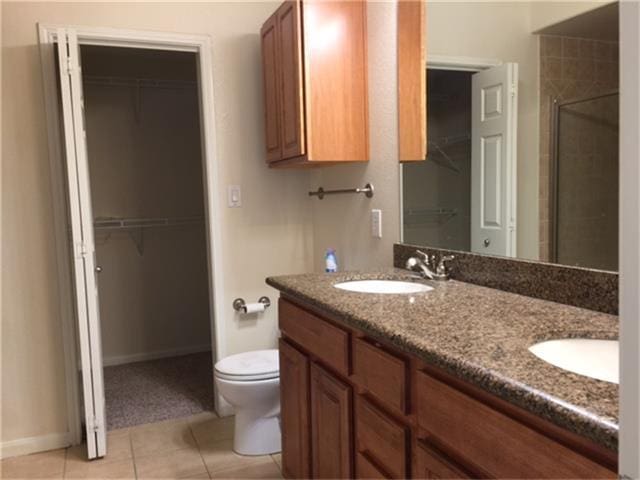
147, 392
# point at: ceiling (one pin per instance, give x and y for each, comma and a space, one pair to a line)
599, 24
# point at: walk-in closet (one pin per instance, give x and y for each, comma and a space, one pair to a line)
143, 138
437, 192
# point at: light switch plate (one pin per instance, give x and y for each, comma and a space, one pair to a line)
376, 223
234, 196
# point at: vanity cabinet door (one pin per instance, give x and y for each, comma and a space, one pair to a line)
331, 432
294, 402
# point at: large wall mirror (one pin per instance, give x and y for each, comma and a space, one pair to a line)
522, 120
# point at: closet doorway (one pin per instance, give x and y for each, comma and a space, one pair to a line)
131, 120
463, 197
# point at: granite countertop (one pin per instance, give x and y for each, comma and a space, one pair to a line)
480, 335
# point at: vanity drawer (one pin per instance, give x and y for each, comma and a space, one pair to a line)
428, 462
319, 337
495, 444
381, 438
366, 469
382, 374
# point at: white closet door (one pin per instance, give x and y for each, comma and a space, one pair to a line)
84, 263
494, 95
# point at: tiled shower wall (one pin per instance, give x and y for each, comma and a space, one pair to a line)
570, 68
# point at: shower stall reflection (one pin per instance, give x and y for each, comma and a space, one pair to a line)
585, 182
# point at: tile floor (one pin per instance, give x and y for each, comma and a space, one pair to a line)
197, 447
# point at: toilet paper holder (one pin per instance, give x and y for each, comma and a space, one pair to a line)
239, 305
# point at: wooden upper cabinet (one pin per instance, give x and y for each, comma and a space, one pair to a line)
412, 81
314, 55
292, 96
270, 64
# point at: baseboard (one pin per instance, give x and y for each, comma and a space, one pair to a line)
25, 446
109, 361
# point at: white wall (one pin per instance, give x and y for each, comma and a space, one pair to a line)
271, 234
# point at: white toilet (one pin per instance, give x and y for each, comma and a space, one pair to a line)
250, 382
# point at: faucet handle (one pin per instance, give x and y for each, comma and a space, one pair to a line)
442, 267
429, 260
425, 256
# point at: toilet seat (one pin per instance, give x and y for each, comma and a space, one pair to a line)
249, 366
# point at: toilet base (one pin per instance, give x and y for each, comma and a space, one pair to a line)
255, 435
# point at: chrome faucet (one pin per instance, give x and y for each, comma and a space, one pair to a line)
426, 265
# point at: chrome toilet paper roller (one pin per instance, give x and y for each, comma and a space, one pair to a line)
239, 305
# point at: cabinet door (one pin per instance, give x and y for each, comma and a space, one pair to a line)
428, 463
330, 425
271, 73
291, 94
294, 404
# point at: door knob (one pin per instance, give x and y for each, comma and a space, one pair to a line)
487, 242
98, 269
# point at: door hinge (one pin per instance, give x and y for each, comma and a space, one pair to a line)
81, 250
514, 89
69, 66
94, 425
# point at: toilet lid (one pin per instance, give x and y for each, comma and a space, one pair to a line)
250, 365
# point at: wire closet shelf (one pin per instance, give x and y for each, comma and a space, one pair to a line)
135, 227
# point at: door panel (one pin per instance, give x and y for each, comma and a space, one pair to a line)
491, 168
294, 400
494, 160
271, 71
81, 216
330, 425
291, 98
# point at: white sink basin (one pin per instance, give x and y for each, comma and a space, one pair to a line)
383, 286
592, 358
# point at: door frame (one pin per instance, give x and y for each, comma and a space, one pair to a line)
451, 63
629, 240
110, 37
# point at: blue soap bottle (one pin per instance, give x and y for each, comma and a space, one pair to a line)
331, 261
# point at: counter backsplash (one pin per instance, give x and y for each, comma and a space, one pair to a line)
580, 287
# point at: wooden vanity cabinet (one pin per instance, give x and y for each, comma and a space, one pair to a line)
314, 60
352, 407
428, 462
295, 412
331, 437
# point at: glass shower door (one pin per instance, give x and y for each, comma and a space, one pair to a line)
585, 182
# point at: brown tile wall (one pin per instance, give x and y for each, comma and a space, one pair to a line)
570, 68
